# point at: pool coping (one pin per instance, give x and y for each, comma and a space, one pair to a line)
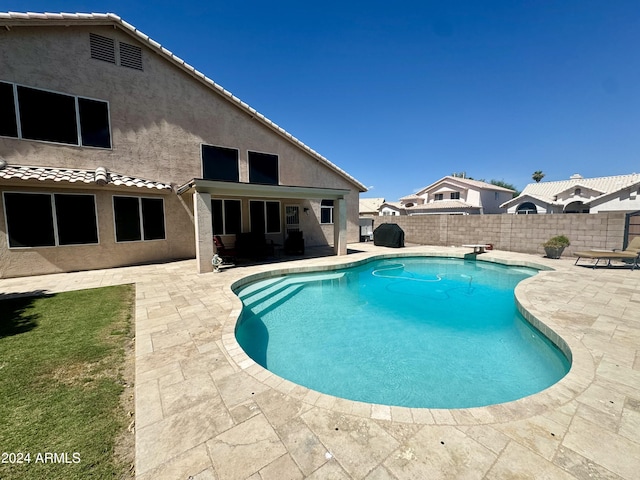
579, 377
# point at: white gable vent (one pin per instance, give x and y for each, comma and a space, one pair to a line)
130, 56
102, 48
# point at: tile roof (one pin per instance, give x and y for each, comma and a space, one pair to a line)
464, 181
370, 204
66, 19
20, 172
600, 184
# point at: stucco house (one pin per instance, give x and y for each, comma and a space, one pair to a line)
391, 209
457, 196
619, 193
114, 151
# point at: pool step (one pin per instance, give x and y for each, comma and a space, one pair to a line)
255, 293
273, 300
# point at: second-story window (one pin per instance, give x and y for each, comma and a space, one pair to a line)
455, 195
263, 168
53, 117
219, 163
438, 196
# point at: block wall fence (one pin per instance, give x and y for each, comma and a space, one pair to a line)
516, 233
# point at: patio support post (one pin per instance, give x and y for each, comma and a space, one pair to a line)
340, 226
204, 230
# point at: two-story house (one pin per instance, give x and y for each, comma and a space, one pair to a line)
457, 196
114, 151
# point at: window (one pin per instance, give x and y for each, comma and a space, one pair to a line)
53, 117
220, 163
578, 191
455, 196
8, 123
438, 196
264, 216
47, 220
138, 218
227, 217
526, 208
326, 211
263, 168
47, 116
76, 219
94, 125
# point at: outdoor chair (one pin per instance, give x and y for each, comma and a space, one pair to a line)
228, 255
634, 245
631, 254
254, 245
294, 243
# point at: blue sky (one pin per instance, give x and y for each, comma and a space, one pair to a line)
400, 94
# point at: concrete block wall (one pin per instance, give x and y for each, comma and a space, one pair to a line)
517, 233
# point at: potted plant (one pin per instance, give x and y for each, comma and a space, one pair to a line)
555, 246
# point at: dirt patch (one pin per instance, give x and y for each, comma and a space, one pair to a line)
125, 445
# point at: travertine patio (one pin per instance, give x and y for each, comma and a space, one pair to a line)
204, 410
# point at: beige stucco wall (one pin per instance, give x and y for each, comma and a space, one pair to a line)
160, 117
179, 242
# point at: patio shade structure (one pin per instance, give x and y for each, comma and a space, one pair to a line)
202, 190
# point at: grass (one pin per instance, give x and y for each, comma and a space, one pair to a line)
61, 364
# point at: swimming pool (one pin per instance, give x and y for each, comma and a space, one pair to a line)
411, 331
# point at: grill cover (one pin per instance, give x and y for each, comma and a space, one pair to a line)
388, 235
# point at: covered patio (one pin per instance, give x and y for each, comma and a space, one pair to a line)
204, 190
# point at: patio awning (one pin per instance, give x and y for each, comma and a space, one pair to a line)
202, 191
238, 189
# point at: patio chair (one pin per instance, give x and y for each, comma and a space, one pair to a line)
631, 254
294, 243
634, 246
228, 255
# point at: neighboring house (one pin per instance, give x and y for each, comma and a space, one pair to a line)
113, 151
457, 196
391, 209
370, 207
579, 195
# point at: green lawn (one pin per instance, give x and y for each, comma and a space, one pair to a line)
61, 364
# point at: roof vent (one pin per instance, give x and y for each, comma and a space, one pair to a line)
575, 176
102, 48
130, 56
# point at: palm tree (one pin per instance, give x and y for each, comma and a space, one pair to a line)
537, 175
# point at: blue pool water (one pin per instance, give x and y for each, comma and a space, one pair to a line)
412, 331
